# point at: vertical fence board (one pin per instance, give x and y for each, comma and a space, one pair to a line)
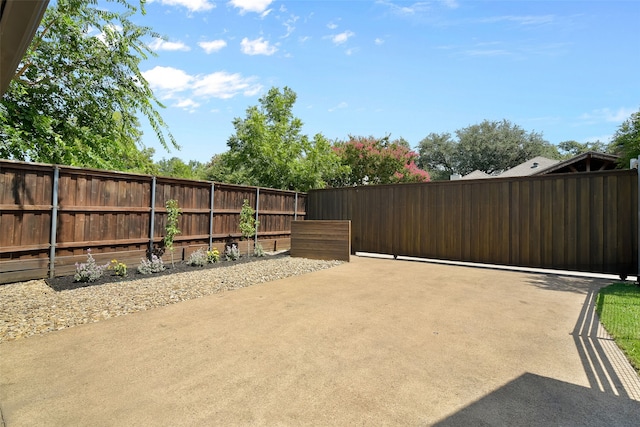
582, 222
110, 212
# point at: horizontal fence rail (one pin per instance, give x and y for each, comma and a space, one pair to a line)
50, 215
580, 222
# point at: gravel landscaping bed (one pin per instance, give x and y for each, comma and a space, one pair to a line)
34, 307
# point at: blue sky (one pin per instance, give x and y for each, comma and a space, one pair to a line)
567, 69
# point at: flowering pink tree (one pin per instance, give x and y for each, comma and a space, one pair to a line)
378, 161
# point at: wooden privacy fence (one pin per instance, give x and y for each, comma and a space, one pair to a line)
50, 215
581, 222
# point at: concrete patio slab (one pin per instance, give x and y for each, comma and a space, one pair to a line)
371, 342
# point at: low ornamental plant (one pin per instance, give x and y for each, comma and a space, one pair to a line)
198, 258
154, 265
258, 250
213, 256
231, 253
89, 271
119, 268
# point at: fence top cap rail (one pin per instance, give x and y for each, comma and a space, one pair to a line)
120, 174
224, 184
71, 169
15, 164
496, 179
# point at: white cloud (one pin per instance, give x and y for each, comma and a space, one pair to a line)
159, 44
378, 41
252, 90
340, 106
167, 79
342, 37
487, 52
187, 104
257, 6
451, 4
289, 24
522, 20
257, 47
213, 45
224, 85
191, 5
332, 26
173, 83
412, 9
607, 115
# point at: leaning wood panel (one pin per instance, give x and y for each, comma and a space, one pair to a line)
330, 240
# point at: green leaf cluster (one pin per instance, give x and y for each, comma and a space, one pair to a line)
171, 228
626, 140
373, 160
571, 148
618, 307
268, 149
491, 147
76, 96
248, 223
176, 168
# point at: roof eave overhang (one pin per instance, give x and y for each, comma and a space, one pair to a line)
19, 20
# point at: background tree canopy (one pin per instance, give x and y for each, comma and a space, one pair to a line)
491, 146
268, 148
573, 148
77, 94
626, 140
377, 161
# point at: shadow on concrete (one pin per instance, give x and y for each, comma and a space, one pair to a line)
604, 364
535, 400
580, 285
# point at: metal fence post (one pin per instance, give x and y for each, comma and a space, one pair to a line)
54, 222
255, 239
211, 216
638, 242
153, 215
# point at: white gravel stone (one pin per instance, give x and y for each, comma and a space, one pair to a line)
30, 308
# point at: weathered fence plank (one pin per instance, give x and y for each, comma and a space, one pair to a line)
119, 215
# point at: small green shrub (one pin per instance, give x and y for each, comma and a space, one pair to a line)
213, 256
231, 253
171, 229
89, 271
119, 268
248, 223
154, 265
258, 250
198, 258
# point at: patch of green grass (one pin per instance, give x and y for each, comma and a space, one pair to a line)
618, 306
